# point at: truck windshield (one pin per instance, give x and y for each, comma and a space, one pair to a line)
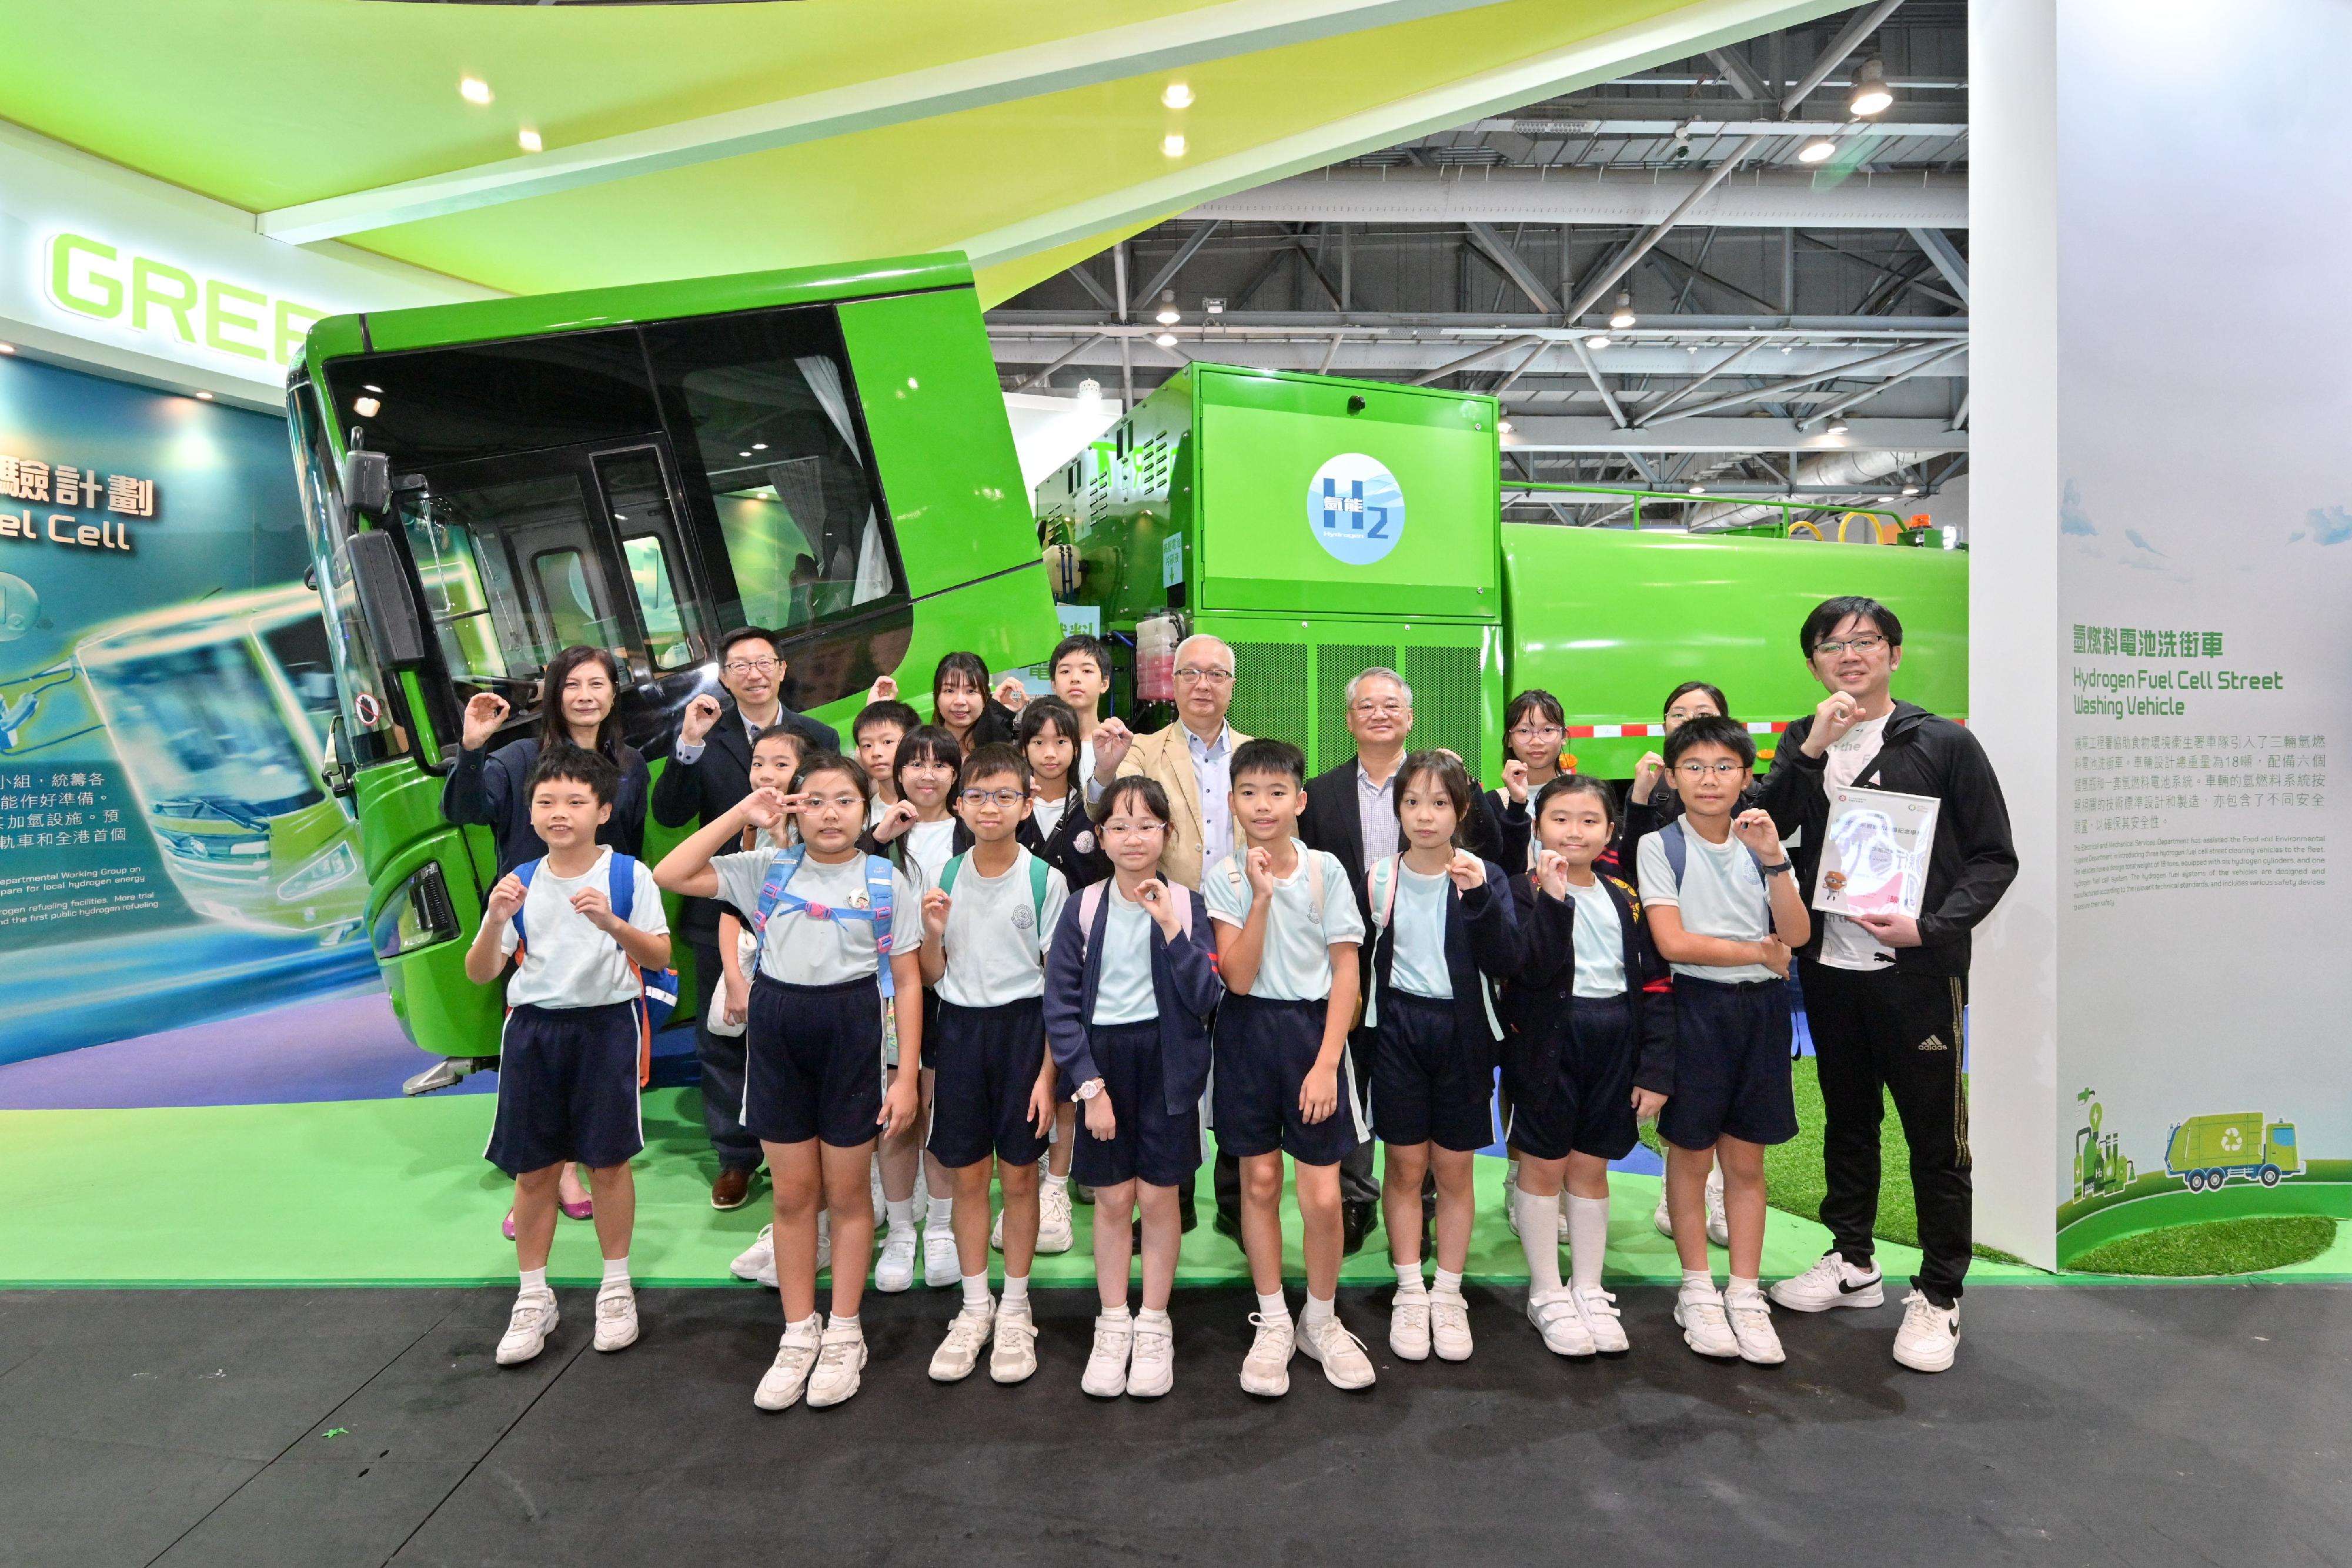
354, 668
204, 734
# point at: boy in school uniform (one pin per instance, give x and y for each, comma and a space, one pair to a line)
569, 1053
877, 732
1725, 914
1080, 671
1288, 931
988, 920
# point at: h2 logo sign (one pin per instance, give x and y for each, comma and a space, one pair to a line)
1356, 508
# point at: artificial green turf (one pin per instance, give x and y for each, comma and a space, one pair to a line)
2248, 1246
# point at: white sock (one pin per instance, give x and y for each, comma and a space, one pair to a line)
901, 1212
1539, 1238
1272, 1306
1117, 1314
841, 1322
1698, 1282
1317, 1311
1739, 1287
1016, 1292
1409, 1278
942, 1210
975, 1292
616, 1269
1449, 1282
1588, 1238
535, 1279
1157, 1315
814, 1321
1053, 1180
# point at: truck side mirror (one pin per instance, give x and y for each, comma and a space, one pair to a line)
367, 482
386, 604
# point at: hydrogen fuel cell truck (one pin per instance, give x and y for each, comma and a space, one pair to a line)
820, 452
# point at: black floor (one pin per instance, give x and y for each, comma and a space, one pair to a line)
316, 1428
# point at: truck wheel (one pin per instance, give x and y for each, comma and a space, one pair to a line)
2196, 1180
2213, 1180
2270, 1175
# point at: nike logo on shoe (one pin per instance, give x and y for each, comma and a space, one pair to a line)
1847, 1290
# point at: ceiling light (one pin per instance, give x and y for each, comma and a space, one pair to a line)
1870, 91
1090, 390
1818, 151
1698, 489
1505, 426
372, 387
1883, 500
759, 447
528, 139
473, 89
1623, 316
1169, 315
1910, 489
1176, 95
742, 454
1172, 145
1166, 339
1836, 425
203, 397
1597, 341
365, 407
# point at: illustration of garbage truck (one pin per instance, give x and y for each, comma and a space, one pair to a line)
2206, 1151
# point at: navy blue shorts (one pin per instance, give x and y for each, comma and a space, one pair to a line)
1587, 1108
1262, 1053
987, 1060
1422, 1090
567, 1089
813, 1062
1731, 1064
1146, 1144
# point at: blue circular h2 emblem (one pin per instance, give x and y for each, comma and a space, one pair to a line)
1356, 508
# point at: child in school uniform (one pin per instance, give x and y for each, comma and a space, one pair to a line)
1287, 930
839, 932
1443, 930
877, 732
1535, 728
1725, 914
569, 1053
1587, 1053
988, 920
1079, 668
1130, 981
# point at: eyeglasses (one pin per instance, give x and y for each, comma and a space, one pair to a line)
1386, 710
1214, 677
1000, 796
750, 666
1721, 770
1124, 829
1539, 732
1855, 645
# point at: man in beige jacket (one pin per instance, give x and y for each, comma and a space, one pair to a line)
1192, 760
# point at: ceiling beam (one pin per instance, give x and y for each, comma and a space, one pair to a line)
1946, 257
1085, 60
1184, 253
1850, 39
1467, 362
1533, 433
1738, 72
1944, 351
1498, 249
1758, 198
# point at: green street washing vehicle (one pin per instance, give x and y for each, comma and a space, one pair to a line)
2206, 1151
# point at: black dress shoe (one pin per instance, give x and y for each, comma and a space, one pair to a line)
1184, 1206
1355, 1224
1228, 1225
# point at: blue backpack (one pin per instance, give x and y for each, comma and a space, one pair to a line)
656, 993
878, 897
1677, 849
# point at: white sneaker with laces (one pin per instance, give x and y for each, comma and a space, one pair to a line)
1562, 1326
533, 1319
1705, 1327
757, 1262
1409, 1326
1718, 1223
780, 1384
1831, 1283
1344, 1364
1054, 1234
840, 1358
996, 1231
895, 1272
1013, 1358
960, 1351
1449, 1325
1266, 1368
1106, 1375
1601, 1319
1153, 1372
1751, 1327
1930, 1335
941, 1266
616, 1316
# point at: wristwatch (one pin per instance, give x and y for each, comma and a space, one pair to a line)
1777, 870
1088, 1090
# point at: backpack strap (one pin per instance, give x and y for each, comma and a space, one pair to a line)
880, 893
1037, 870
1677, 849
1382, 885
523, 874
1090, 899
772, 890
1314, 859
948, 873
621, 886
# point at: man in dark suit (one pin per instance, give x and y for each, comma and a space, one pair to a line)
710, 771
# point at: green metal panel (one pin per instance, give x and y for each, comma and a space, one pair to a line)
1291, 677
1609, 621
1122, 500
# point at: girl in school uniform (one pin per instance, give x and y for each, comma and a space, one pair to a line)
1442, 931
1130, 981
1588, 1051
837, 929
1535, 728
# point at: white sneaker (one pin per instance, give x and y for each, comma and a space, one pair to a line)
1510, 1186
1563, 1217
1055, 1233
1449, 1325
533, 1319
1751, 1327
1409, 1326
1266, 1368
1718, 1223
616, 1316
895, 1270
960, 1351
874, 1187
1706, 1329
840, 1358
1153, 1372
942, 1266
1662, 1219
1601, 1319
1831, 1283
1106, 1374
1561, 1325
996, 1231
824, 1244
1344, 1364
1930, 1334
781, 1386
1013, 1358
757, 1262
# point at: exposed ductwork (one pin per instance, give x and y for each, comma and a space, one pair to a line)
1835, 470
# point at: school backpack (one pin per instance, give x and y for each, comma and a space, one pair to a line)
656, 993
878, 897
1090, 899
1677, 848
1037, 870
1381, 881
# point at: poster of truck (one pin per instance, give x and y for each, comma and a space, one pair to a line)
2206, 1151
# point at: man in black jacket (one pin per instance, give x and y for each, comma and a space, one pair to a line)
710, 771
1883, 992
